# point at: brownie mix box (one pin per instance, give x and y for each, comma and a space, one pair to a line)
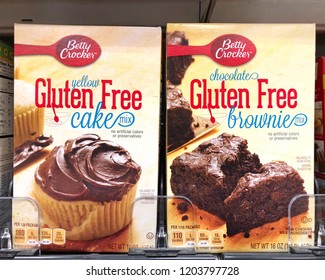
86, 133
240, 125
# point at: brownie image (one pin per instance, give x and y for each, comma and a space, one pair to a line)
177, 65
263, 197
208, 174
222, 177
179, 118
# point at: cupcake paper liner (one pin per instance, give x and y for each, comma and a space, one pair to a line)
85, 220
28, 126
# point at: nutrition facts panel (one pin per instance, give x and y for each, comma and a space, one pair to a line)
6, 85
6, 114
6, 134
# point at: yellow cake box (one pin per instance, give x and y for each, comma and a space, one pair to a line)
87, 132
240, 129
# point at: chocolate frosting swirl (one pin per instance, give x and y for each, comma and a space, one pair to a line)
30, 148
88, 168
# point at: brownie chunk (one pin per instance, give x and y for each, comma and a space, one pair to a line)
208, 174
179, 118
263, 197
177, 66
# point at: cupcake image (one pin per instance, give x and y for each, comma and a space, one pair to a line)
28, 119
86, 187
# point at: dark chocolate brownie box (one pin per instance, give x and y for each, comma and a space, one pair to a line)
241, 175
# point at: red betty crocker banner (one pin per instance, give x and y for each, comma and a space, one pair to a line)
72, 50
226, 50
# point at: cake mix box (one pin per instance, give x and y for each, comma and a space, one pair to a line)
86, 134
319, 117
240, 136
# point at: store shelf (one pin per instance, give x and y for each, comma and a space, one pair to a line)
154, 13
270, 11
270, 256
159, 13
113, 12
93, 256
225, 256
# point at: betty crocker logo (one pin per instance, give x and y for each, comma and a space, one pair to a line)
226, 50
72, 50
77, 50
232, 50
